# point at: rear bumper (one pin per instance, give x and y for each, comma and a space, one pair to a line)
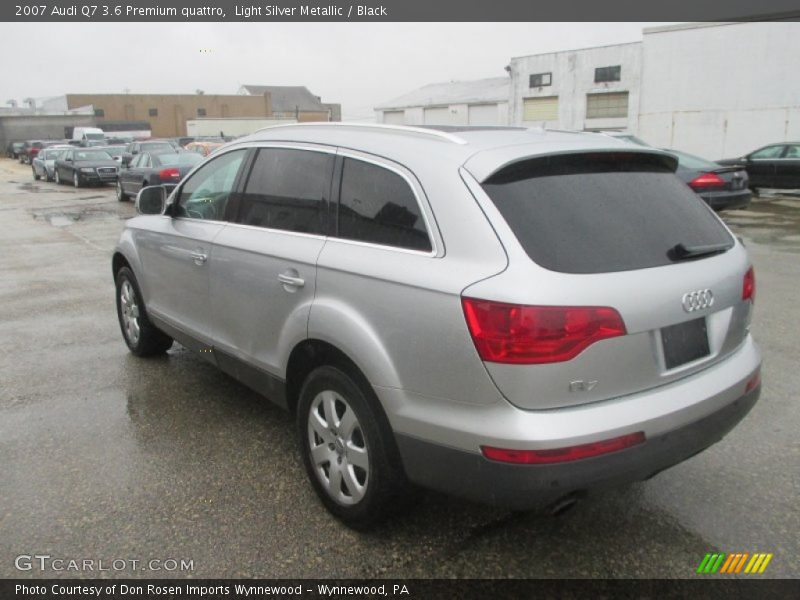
524, 487
440, 445
728, 200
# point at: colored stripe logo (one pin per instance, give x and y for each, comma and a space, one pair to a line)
736, 562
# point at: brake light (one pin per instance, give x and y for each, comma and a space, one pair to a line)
554, 455
707, 180
749, 285
171, 173
519, 334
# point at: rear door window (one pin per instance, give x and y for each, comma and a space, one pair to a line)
602, 212
288, 189
378, 206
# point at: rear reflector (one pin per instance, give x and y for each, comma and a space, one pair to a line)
519, 334
707, 180
749, 285
538, 457
753, 382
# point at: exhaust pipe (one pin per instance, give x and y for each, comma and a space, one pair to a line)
564, 504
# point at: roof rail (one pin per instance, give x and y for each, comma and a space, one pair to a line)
441, 135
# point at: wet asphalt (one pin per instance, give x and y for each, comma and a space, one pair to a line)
104, 456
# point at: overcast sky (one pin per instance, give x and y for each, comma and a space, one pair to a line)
359, 65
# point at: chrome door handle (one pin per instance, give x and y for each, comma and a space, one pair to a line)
199, 258
293, 281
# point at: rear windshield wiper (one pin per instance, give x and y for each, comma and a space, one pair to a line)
683, 252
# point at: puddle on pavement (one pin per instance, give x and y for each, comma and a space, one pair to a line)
70, 215
770, 220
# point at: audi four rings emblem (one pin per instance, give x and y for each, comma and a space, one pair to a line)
698, 300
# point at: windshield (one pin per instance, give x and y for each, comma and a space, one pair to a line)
602, 212
171, 160
53, 154
92, 155
158, 147
94, 136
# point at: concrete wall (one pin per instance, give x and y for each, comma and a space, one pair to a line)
173, 110
721, 90
573, 74
39, 127
234, 127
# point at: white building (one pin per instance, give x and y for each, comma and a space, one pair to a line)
720, 89
712, 89
479, 102
587, 89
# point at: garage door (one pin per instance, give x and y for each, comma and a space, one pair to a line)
483, 114
437, 116
540, 109
394, 117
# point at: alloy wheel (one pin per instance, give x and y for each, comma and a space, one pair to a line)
338, 449
130, 312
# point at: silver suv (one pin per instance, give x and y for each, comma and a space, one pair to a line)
512, 316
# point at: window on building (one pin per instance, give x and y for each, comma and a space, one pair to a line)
99, 112
601, 106
541, 79
288, 190
378, 206
604, 74
153, 112
201, 112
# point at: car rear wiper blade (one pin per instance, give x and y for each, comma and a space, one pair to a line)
681, 251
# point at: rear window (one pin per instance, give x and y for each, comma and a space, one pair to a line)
602, 212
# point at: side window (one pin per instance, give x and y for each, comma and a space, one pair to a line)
768, 152
792, 151
145, 162
288, 190
378, 206
205, 194
137, 161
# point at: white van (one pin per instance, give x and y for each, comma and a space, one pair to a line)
87, 134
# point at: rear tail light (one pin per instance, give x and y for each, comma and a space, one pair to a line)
171, 173
749, 285
707, 180
519, 334
569, 453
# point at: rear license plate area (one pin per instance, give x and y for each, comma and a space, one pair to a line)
685, 342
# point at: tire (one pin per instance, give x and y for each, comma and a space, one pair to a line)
355, 470
57, 177
141, 336
76, 179
35, 174
121, 196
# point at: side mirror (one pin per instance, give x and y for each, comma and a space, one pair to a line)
127, 157
151, 200
68, 159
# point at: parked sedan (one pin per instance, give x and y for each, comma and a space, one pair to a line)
135, 148
775, 166
43, 166
151, 168
722, 188
85, 165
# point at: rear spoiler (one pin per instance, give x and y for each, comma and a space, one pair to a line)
483, 165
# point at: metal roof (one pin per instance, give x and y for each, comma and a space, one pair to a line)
494, 89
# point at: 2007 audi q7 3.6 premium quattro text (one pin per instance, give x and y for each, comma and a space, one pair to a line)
511, 316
